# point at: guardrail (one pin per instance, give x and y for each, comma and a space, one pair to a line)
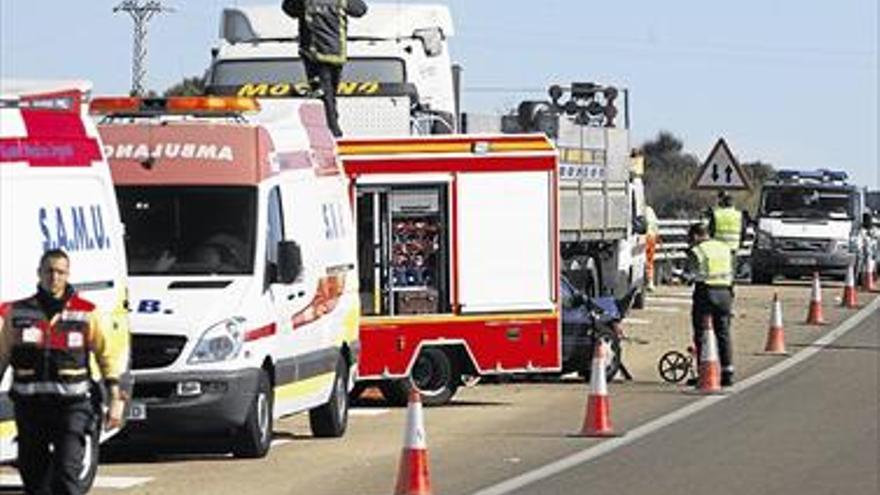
672, 250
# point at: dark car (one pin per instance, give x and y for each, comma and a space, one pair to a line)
584, 321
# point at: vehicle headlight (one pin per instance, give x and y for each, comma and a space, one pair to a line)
841, 245
220, 342
763, 239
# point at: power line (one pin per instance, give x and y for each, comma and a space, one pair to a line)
141, 14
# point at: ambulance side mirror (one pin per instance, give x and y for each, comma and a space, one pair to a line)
289, 261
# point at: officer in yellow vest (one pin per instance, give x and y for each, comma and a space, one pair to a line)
726, 222
710, 267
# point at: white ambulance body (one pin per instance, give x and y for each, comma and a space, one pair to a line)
56, 192
398, 79
242, 266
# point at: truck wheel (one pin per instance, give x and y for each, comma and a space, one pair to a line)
254, 437
639, 300
434, 374
331, 419
761, 277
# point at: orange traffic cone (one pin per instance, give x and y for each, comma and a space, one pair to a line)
709, 381
869, 283
412, 476
849, 289
597, 422
814, 316
775, 335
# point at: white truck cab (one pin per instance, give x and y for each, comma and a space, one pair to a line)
398, 79
56, 193
242, 261
808, 221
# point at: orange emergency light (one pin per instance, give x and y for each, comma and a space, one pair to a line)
173, 105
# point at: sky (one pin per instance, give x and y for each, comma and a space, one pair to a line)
789, 82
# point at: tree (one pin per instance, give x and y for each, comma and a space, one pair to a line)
670, 170
189, 86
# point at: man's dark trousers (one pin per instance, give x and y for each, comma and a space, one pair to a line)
64, 425
717, 303
325, 77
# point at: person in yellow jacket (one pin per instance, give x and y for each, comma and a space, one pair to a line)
726, 222
652, 240
710, 268
48, 339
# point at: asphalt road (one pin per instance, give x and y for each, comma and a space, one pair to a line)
780, 437
811, 430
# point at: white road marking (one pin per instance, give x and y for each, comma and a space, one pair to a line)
636, 321
279, 442
669, 300
367, 411
110, 482
663, 309
646, 429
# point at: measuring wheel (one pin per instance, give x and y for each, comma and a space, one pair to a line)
674, 366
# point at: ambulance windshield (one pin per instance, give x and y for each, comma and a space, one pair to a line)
185, 230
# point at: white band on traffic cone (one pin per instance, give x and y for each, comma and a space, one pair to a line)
415, 437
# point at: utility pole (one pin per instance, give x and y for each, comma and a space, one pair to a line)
141, 13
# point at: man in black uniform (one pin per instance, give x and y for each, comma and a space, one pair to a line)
323, 26
710, 268
48, 338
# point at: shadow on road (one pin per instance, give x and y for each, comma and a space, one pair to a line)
838, 347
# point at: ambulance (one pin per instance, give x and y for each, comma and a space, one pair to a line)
458, 249
56, 193
244, 288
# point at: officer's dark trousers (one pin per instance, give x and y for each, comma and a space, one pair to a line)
717, 303
325, 77
64, 426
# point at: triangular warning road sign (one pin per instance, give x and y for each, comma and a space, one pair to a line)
721, 171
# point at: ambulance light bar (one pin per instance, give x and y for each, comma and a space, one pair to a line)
179, 105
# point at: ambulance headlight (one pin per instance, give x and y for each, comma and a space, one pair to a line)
221, 342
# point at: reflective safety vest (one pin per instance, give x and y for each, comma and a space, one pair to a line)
728, 226
715, 263
651, 220
51, 357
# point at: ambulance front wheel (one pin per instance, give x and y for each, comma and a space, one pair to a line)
90, 456
255, 436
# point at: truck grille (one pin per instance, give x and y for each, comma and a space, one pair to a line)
155, 351
803, 245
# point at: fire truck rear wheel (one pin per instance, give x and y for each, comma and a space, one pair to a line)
434, 373
255, 436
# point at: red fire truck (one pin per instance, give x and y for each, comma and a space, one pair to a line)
459, 258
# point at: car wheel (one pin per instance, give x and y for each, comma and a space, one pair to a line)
331, 419
254, 437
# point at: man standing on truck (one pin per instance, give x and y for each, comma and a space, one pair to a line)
710, 268
322, 37
48, 339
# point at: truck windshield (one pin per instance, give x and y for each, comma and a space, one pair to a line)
291, 70
808, 203
188, 230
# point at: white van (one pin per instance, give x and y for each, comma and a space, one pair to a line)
242, 265
56, 192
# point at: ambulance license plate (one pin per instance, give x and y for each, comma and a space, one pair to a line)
137, 411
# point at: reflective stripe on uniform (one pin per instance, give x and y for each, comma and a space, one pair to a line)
56, 388
716, 263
